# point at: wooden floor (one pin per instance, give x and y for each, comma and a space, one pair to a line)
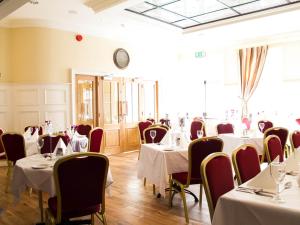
130, 202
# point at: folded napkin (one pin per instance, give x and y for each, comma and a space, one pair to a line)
60, 144
27, 134
166, 139
35, 135
292, 163
264, 179
184, 141
69, 149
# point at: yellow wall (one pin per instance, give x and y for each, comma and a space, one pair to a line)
5, 55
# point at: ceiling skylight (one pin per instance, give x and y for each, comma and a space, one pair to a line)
189, 13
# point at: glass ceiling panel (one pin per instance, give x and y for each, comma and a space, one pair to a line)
142, 7
194, 7
222, 14
163, 15
188, 13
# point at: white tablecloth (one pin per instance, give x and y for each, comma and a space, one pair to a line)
232, 142
239, 208
38, 179
156, 163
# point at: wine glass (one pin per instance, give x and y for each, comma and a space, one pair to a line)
199, 133
261, 126
40, 144
277, 170
152, 135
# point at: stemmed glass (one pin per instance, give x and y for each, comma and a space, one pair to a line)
277, 170
40, 144
261, 126
152, 135
199, 133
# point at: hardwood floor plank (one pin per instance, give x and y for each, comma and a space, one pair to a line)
130, 203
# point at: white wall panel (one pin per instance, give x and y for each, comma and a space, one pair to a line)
58, 119
26, 118
55, 96
26, 97
4, 97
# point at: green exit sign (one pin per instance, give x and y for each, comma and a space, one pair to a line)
200, 54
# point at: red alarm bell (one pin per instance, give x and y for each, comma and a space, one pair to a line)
78, 37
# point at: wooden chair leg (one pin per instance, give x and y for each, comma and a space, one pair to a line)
8, 174
170, 192
200, 195
144, 181
182, 193
153, 187
92, 219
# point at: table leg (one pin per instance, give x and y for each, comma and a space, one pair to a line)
41, 205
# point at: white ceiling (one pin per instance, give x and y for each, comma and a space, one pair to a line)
116, 23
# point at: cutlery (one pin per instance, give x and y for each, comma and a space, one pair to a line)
257, 191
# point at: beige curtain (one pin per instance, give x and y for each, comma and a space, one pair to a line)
252, 61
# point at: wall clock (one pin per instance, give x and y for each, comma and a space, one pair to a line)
121, 58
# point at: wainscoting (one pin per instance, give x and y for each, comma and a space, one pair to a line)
31, 104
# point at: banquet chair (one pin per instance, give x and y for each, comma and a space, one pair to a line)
84, 129
273, 148
246, 163
151, 120
160, 133
160, 125
225, 128
95, 139
50, 142
142, 126
2, 152
267, 124
165, 122
179, 182
1, 131
246, 122
216, 173
197, 125
282, 133
80, 181
295, 140
298, 121
40, 129
14, 147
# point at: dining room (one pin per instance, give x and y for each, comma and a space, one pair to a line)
140, 86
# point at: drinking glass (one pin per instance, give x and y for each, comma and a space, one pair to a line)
261, 126
277, 170
199, 133
40, 144
152, 135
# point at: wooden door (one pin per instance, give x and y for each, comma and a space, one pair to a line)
86, 98
111, 118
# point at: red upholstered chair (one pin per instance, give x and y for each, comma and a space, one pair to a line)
198, 150
151, 120
160, 125
84, 129
51, 141
216, 173
2, 152
246, 122
80, 188
298, 121
165, 122
14, 147
95, 139
295, 139
197, 125
1, 131
142, 126
225, 128
160, 133
34, 129
267, 124
246, 163
282, 133
273, 147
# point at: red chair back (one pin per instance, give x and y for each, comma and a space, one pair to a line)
295, 139
246, 122
14, 146
95, 139
197, 125
34, 128
267, 124
281, 132
246, 163
160, 133
142, 126
84, 129
298, 121
198, 150
50, 142
273, 148
217, 178
80, 185
225, 128
151, 120
2, 152
1, 131
165, 122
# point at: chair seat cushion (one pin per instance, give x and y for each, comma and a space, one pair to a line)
52, 204
182, 178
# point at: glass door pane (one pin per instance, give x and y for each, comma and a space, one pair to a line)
111, 102
132, 100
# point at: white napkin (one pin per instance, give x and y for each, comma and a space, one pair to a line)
166, 139
292, 163
69, 149
183, 140
60, 144
35, 135
27, 134
264, 179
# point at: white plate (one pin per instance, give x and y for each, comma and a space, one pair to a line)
40, 166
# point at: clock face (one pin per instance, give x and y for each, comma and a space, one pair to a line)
121, 58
